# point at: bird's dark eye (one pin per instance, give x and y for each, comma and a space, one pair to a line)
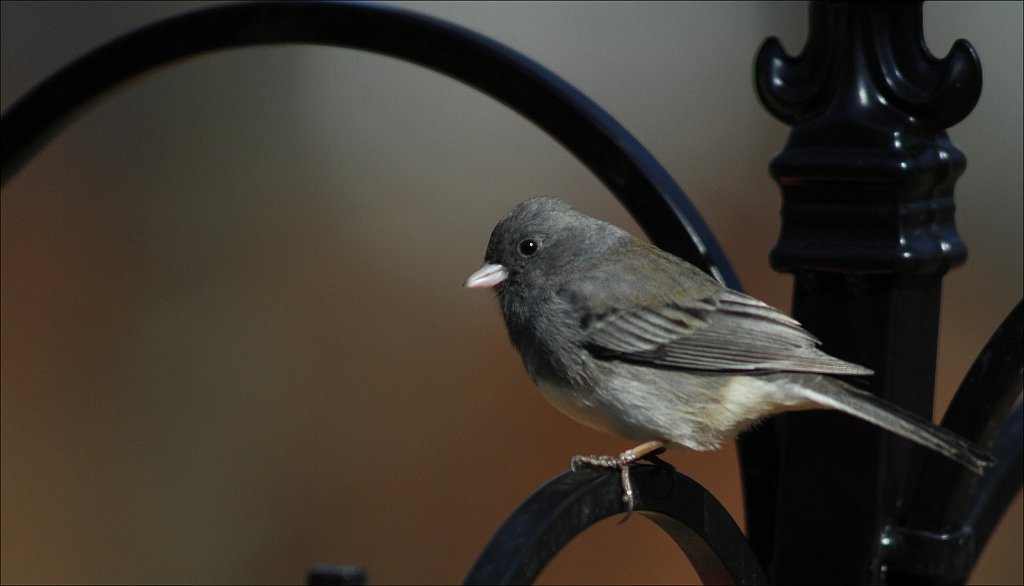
528, 247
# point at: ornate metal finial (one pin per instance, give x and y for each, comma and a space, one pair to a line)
870, 106
901, 70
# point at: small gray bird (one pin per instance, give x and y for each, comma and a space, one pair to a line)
629, 339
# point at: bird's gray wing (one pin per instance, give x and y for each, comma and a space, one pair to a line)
726, 332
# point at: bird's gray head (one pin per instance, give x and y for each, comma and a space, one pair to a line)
540, 243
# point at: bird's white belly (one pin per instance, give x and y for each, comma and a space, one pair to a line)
699, 412
576, 405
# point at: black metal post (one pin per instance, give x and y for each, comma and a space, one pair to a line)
867, 228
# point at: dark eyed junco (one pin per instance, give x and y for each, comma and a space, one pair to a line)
629, 339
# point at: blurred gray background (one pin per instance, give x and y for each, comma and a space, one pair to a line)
235, 338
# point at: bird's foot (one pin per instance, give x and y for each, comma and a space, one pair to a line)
621, 462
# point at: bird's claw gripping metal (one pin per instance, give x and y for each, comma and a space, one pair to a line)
648, 450
621, 462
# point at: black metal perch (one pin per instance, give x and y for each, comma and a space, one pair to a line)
566, 506
867, 178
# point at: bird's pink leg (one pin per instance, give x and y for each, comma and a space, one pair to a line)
622, 462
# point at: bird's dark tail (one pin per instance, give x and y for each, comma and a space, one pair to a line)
841, 396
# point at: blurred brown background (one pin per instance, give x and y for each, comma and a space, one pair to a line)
235, 340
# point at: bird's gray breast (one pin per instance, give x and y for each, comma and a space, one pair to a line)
551, 345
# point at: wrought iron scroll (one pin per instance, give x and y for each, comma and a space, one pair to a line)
949, 519
700, 526
628, 170
573, 501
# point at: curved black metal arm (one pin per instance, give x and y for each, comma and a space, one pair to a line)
573, 501
584, 128
686, 511
918, 555
952, 512
993, 384
997, 489
990, 394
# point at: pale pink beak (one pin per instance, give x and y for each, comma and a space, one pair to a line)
488, 276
